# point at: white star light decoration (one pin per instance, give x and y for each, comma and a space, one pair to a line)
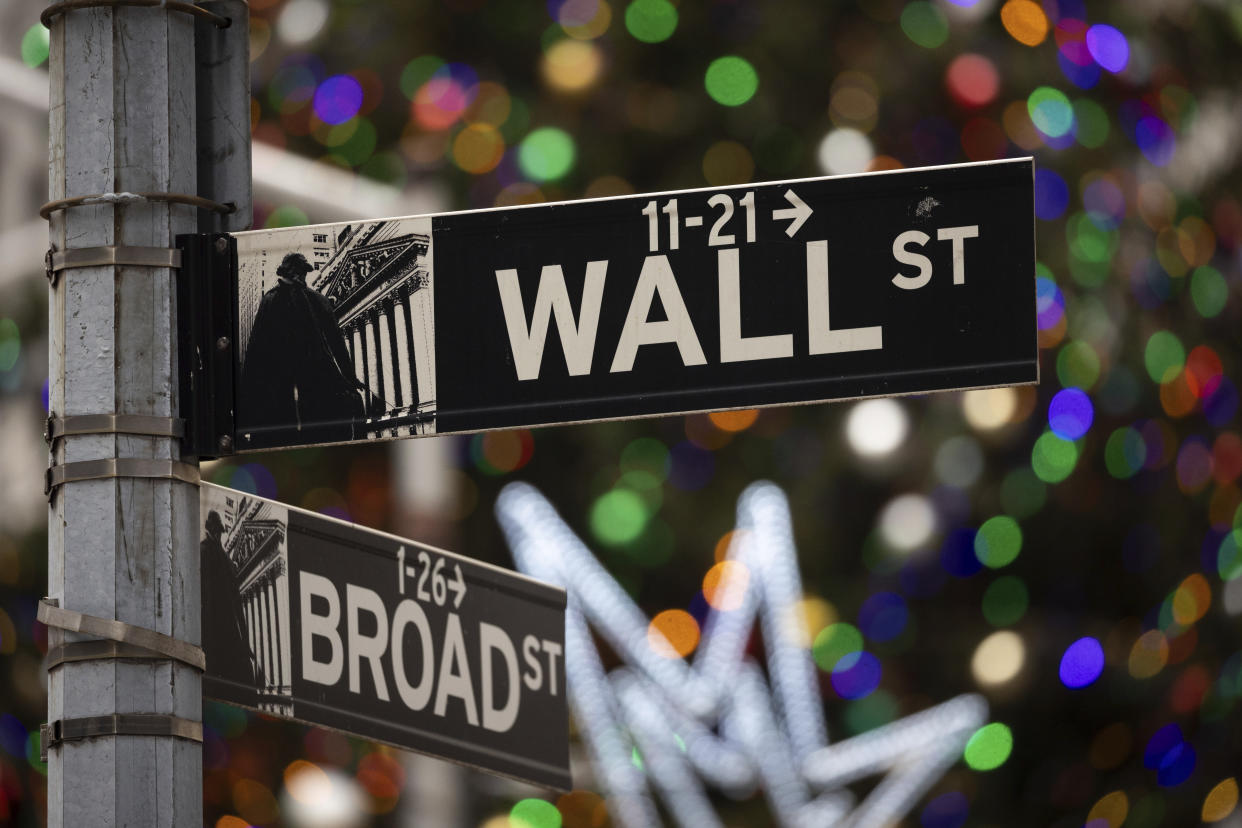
717, 721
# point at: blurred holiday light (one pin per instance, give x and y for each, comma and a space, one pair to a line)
907, 522
731, 80
668, 709
318, 797
301, 21
876, 427
845, 151
998, 658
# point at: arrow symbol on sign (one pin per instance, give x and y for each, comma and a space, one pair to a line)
798, 213
458, 587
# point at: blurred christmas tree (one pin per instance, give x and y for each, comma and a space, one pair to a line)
1073, 551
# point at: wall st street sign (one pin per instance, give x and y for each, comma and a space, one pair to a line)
314, 619
734, 297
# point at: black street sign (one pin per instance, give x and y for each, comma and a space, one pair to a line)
310, 618
626, 307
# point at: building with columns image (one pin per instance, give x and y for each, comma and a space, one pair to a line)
377, 277
256, 544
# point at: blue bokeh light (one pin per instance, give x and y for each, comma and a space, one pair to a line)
1156, 139
883, 616
338, 99
1082, 663
949, 810
1051, 194
957, 554
856, 675
1070, 413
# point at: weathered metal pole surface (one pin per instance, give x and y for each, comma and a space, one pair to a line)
122, 120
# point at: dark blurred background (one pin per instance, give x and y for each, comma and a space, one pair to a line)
1015, 529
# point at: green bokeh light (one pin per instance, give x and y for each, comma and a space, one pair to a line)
387, 167
618, 517
534, 813
1022, 493
646, 454
517, 122
1052, 458
546, 154
1209, 291
998, 541
872, 711
989, 747
1088, 242
731, 80
1005, 601
35, 46
1164, 356
1229, 556
10, 344
833, 643
360, 146
924, 24
1093, 126
1050, 111
286, 216
1124, 453
654, 547
1078, 365
651, 21
417, 72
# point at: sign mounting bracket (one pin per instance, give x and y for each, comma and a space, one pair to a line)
207, 342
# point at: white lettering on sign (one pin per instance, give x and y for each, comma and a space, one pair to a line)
733, 346
903, 254
415, 696
321, 626
361, 646
552, 299
823, 339
442, 669
657, 279
493, 639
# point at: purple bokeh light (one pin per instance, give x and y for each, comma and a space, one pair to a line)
338, 99
1049, 303
1156, 139
1109, 47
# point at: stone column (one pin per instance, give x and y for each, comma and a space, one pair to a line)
384, 329
411, 351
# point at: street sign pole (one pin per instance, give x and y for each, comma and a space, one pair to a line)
123, 741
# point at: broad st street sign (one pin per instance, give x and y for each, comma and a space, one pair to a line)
734, 297
310, 618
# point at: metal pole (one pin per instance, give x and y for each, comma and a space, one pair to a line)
122, 120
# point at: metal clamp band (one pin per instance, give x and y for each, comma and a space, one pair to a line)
143, 424
119, 467
123, 198
109, 628
97, 650
58, 260
173, 5
60, 731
